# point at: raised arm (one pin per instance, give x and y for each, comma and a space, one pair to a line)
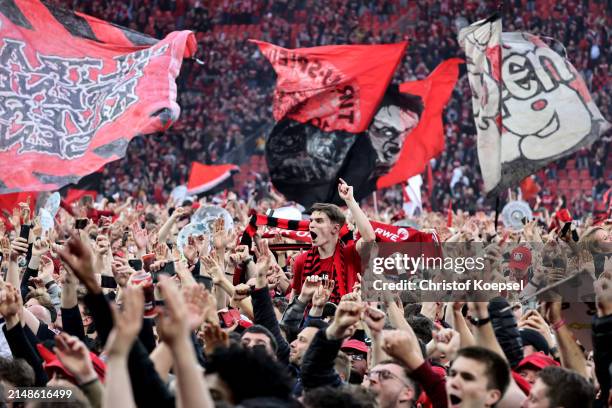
174, 330
127, 324
361, 220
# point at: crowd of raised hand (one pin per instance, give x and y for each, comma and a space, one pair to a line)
119, 315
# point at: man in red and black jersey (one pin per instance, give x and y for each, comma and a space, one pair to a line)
329, 257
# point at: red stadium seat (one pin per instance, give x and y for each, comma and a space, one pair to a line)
584, 174
563, 184
586, 185
572, 174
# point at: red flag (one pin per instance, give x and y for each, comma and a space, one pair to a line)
10, 201
203, 177
90, 87
529, 188
334, 87
427, 139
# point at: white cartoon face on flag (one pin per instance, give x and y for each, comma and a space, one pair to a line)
531, 106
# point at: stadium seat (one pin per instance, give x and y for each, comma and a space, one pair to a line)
584, 174
586, 185
572, 174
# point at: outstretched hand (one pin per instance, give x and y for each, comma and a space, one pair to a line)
80, 259
127, 323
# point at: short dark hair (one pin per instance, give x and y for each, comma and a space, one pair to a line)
348, 396
259, 329
422, 327
249, 373
567, 388
416, 386
497, 369
316, 323
17, 372
334, 212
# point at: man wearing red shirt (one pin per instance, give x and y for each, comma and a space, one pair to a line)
328, 257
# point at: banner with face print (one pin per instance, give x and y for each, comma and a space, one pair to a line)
531, 106
305, 161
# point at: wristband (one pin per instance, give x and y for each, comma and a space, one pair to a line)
558, 325
480, 322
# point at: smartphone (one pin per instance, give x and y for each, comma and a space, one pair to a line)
169, 268
204, 280
80, 223
229, 318
135, 264
24, 232
108, 282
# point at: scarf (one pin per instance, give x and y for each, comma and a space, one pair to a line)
312, 266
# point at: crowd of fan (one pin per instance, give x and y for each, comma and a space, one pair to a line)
228, 98
234, 330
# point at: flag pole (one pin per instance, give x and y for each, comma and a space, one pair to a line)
375, 202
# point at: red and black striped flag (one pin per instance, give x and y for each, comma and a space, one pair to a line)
76, 90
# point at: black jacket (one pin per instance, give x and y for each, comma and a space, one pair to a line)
264, 315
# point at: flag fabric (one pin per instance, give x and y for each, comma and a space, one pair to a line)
306, 158
413, 204
531, 106
204, 177
76, 90
529, 188
334, 87
426, 141
8, 202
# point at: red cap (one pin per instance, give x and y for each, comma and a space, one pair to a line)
520, 258
352, 344
538, 360
52, 362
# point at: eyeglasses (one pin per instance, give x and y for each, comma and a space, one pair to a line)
383, 375
357, 357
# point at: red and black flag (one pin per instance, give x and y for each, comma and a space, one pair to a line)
339, 116
205, 177
76, 90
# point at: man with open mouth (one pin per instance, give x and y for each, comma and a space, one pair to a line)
478, 377
329, 258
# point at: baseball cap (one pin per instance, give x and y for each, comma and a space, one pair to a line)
53, 363
520, 258
352, 344
537, 360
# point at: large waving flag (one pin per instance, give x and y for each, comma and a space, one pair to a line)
426, 141
307, 156
334, 87
76, 90
531, 106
